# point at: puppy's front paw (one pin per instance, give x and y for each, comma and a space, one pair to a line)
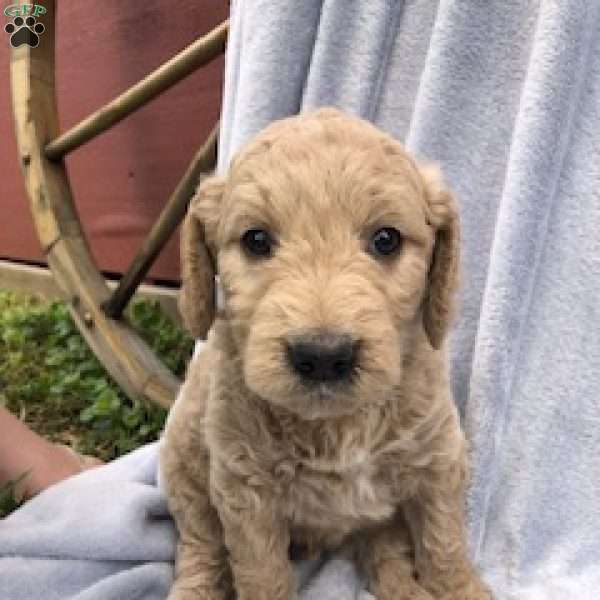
394, 586
473, 589
183, 593
411, 591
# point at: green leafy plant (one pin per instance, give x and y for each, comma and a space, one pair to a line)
9, 499
51, 379
171, 343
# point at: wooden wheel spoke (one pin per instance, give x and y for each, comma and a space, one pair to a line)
197, 54
173, 213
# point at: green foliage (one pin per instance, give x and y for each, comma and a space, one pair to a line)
172, 344
9, 499
49, 376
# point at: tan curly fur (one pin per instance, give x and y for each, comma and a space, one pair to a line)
255, 459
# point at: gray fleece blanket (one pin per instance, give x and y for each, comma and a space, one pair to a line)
506, 97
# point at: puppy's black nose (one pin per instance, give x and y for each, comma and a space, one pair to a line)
323, 357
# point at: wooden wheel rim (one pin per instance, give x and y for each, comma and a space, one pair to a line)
126, 357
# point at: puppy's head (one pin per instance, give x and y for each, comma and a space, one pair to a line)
334, 250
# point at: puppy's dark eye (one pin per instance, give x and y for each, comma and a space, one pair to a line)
257, 242
385, 241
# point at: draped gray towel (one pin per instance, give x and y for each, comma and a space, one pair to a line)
505, 96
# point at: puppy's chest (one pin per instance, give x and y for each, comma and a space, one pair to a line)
341, 492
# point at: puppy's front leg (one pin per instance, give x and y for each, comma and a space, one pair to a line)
437, 522
387, 557
201, 571
257, 538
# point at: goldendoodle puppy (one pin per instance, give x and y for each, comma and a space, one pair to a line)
320, 411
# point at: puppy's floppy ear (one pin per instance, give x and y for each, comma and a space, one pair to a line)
438, 304
197, 294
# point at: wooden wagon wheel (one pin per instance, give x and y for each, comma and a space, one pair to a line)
96, 311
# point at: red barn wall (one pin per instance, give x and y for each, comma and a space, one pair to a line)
121, 179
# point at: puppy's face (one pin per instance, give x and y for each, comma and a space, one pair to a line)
323, 233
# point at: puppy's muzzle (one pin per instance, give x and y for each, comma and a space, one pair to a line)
323, 357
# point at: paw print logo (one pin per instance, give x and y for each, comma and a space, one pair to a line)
24, 31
